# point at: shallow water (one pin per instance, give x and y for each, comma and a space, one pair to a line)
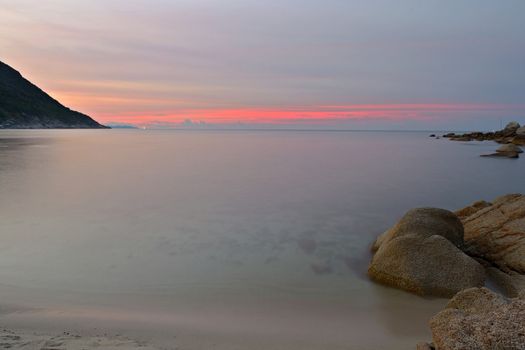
226, 240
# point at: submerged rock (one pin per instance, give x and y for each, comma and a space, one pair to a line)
321, 268
498, 154
477, 318
461, 138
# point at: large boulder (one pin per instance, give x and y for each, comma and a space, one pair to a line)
479, 319
421, 254
425, 222
520, 131
496, 232
428, 266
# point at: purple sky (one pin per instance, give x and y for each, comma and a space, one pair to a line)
408, 64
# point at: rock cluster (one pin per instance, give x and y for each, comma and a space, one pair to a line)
512, 133
436, 252
512, 136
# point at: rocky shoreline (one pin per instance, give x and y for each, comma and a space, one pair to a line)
512, 133
438, 253
511, 137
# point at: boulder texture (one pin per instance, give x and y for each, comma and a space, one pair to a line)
496, 232
479, 319
421, 254
472, 209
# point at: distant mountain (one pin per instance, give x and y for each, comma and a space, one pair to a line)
25, 106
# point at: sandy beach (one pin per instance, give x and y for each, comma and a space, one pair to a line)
32, 340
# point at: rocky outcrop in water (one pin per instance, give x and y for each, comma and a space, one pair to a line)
436, 252
512, 133
508, 150
421, 254
502, 155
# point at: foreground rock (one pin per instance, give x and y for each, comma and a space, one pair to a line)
496, 232
421, 254
477, 318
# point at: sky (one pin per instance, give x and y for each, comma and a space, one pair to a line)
338, 64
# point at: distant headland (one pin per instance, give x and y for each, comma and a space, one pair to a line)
25, 106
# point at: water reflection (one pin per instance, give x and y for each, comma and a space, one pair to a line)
242, 228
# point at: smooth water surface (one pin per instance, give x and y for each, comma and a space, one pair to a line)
224, 239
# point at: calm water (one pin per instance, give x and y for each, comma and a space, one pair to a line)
224, 240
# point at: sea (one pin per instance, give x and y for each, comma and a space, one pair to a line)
217, 239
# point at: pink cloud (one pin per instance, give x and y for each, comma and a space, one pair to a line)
311, 114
